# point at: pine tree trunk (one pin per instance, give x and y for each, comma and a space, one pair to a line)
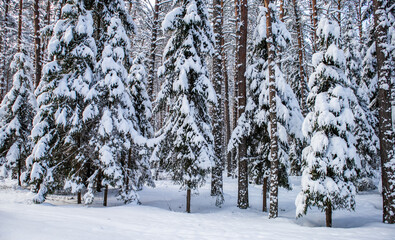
154, 44
273, 119
79, 197
20, 25
339, 14
60, 6
226, 98
282, 10
216, 179
188, 207
236, 78
300, 55
98, 182
264, 195
384, 68
241, 69
229, 161
19, 172
3, 77
105, 196
47, 22
19, 50
37, 43
358, 7
328, 214
48, 13
314, 19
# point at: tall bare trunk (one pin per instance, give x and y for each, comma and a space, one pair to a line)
226, 111
37, 43
241, 79
154, 44
217, 178
339, 14
273, 118
79, 198
226, 98
3, 43
384, 68
358, 7
300, 55
48, 13
235, 79
314, 19
282, 10
20, 25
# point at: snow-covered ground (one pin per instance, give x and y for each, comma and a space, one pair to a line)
161, 216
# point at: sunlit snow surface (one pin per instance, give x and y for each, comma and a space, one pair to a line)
161, 216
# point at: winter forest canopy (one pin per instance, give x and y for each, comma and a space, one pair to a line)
120, 95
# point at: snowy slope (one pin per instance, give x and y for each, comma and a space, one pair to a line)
161, 216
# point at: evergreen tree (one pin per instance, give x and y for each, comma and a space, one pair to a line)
254, 123
185, 147
59, 131
330, 161
367, 143
119, 119
138, 81
16, 118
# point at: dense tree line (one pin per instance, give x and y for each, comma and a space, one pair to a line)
99, 93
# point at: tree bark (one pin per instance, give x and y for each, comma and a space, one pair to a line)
79, 198
48, 13
241, 69
20, 25
226, 97
264, 195
282, 10
358, 7
105, 196
3, 42
236, 78
154, 44
314, 20
216, 179
98, 183
188, 207
19, 172
328, 214
339, 14
273, 118
384, 68
37, 43
300, 55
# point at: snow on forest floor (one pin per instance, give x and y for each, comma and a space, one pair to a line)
161, 216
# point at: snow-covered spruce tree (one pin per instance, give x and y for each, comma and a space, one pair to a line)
103, 12
185, 146
138, 81
254, 123
16, 119
59, 132
367, 142
114, 121
330, 161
